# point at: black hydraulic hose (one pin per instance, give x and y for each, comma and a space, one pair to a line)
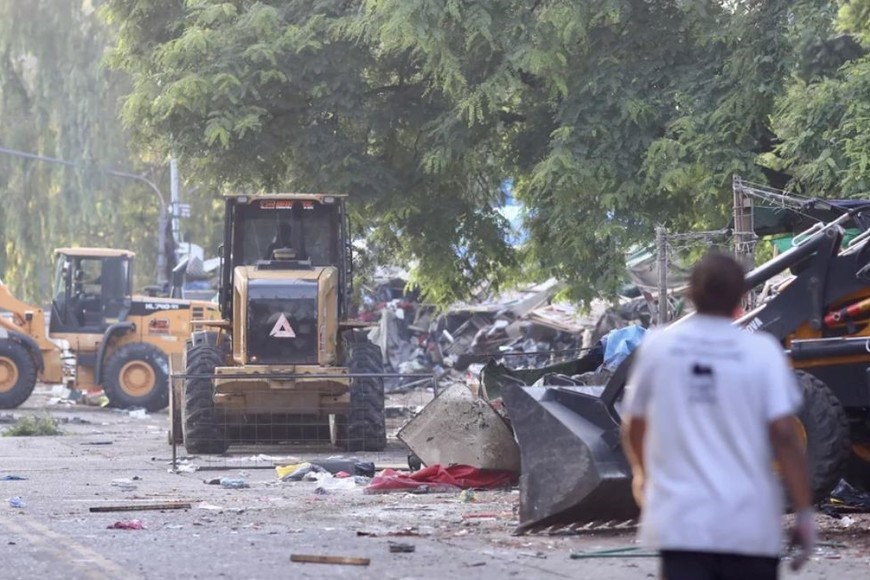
829, 347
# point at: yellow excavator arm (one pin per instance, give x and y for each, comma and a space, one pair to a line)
27, 322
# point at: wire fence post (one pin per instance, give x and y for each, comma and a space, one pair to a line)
662, 251
744, 232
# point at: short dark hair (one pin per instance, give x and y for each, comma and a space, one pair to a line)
716, 284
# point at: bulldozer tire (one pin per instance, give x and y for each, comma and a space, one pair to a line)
137, 375
199, 426
827, 434
17, 374
364, 428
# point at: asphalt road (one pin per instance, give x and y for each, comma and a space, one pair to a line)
107, 458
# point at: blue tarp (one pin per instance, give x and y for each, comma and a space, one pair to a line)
620, 343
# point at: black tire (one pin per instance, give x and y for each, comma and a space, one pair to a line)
827, 430
364, 428
137, 375
17, 374
201, 431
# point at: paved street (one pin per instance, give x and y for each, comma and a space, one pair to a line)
108, 458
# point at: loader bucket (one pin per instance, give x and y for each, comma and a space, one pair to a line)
573, 468
492, 372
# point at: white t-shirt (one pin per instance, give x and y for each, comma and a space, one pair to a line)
709, 391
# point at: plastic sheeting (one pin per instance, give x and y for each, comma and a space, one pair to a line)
437, 478
620, 343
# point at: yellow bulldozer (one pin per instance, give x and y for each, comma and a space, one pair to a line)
118, 341
285, 362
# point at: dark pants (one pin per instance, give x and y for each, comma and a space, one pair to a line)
681, 565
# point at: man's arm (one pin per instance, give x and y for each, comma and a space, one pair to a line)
633, 435
789, 453
636, 407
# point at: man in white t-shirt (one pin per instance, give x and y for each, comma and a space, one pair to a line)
709, 407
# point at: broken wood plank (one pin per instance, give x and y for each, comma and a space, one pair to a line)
174, 505
315, 559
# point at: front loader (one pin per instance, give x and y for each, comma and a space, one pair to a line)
573, 468
118, 341
285, 363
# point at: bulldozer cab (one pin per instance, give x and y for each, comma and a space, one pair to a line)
285, 232
92, 289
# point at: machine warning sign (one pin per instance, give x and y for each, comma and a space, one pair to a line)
158, 326
282, 329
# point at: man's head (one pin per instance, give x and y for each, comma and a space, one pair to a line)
716, 284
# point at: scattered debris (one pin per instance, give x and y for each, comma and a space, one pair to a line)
210, 507
327, 484
846, 522
481, 516
297, 472
7, 418
73, 421
12, 478
124, 484
846, 499
173, 505
402, 548
183, 466
96, 443
437, 478
523, 328
233, 483
263, 458
95, 399
333, 465
17, 502
342, 560
627, 552
137, 413
127, 525
412, 532
466, 496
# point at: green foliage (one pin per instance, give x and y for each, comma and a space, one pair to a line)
56, 100
823, 122
612, 116
295, 96
33, 427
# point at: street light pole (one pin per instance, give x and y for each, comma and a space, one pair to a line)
161, 234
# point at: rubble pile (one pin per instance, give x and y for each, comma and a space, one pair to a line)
524, 328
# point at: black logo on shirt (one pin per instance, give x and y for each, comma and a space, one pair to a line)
702, 384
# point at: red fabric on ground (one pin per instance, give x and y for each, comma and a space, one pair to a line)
440, 478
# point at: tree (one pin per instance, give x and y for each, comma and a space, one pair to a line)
611, 115
288, 95
56, 100
823, 119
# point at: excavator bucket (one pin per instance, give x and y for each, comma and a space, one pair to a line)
573, 471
